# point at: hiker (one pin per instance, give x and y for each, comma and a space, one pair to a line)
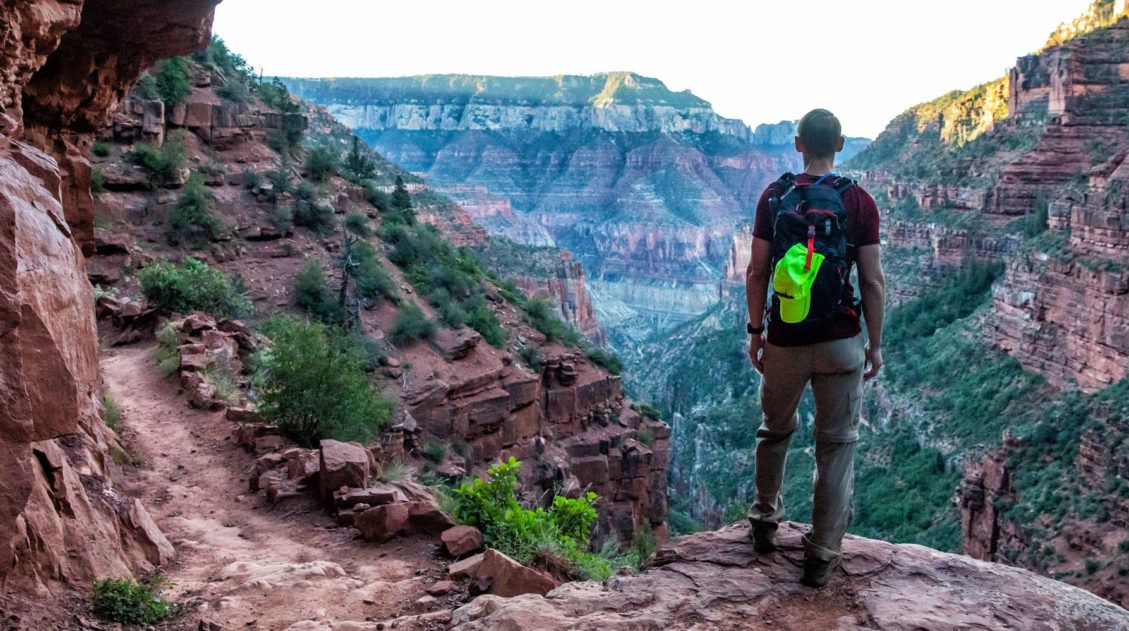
810, 230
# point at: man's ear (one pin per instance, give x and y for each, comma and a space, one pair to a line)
839, 147
799, 145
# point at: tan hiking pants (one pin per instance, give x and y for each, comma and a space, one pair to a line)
835, 371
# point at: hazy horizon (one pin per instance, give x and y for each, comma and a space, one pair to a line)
964, 45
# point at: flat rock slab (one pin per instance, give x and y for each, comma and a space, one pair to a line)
715, 580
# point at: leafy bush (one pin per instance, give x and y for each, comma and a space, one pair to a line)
607, 359
448, 276
373, 281
234, 90
97, 182
531, 355
169, 288
162, 166
173, 82
100, 149
314, 297
359, 165
321, 163
192, 219
282, 218
435, 451
316, 387
313, 214
541, 315
130, 602
411, 325
168, 353
401, 199
491, 505
252, 179
280, 181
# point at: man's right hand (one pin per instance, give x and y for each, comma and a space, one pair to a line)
756, 345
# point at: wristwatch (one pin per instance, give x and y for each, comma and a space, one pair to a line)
754, 330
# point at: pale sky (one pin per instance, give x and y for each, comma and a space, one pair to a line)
866, 60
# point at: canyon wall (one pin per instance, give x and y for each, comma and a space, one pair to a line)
645, 186
64, 65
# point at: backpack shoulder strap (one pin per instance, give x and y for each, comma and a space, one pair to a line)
843, 184
783, 185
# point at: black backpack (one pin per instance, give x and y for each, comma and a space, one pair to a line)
809, 248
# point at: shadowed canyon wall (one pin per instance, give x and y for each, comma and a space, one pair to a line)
63, 65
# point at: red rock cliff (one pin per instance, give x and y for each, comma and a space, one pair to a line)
63, 64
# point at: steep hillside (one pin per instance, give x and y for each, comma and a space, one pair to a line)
643, 185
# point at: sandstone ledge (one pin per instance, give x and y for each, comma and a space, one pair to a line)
715, 580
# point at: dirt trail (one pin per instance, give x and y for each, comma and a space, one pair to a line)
244, 565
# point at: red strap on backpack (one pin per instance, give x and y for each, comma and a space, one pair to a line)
811, 246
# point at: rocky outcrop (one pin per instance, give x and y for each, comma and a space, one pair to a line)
566, 288
63, 66
568, 423
715, 580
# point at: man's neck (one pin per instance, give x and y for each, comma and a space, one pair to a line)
819, 166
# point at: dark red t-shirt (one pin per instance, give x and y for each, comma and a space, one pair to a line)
862, 229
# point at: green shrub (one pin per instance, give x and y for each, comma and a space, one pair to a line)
435, 451
97, 182
168, 353
276, 96
192, 220
401, 199
491, 505
252, 179
411, 325
1092, 565
316, 215
314, 296
234, 90
147, 87
359, 165
280, 181
373, 281
316, 387
645, 435
392, 471
173, 80
531, 355
282, 218
1123, 547
130, 602
100, 149
541, 315
162, 166
111, 413
1037, 223
169, 288
607, 359
321, 163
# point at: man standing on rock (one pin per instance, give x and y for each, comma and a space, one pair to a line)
810, 230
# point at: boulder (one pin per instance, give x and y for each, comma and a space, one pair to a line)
455, 344
244, 415
498, 574
461, 540
342, 465
381, 523
426, 518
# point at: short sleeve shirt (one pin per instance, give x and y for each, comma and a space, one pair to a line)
862, 230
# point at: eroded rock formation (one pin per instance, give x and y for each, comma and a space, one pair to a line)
63, 65
714, 580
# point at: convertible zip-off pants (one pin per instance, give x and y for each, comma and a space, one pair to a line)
834, 370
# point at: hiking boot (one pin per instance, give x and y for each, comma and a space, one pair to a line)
817, 572
764, 537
